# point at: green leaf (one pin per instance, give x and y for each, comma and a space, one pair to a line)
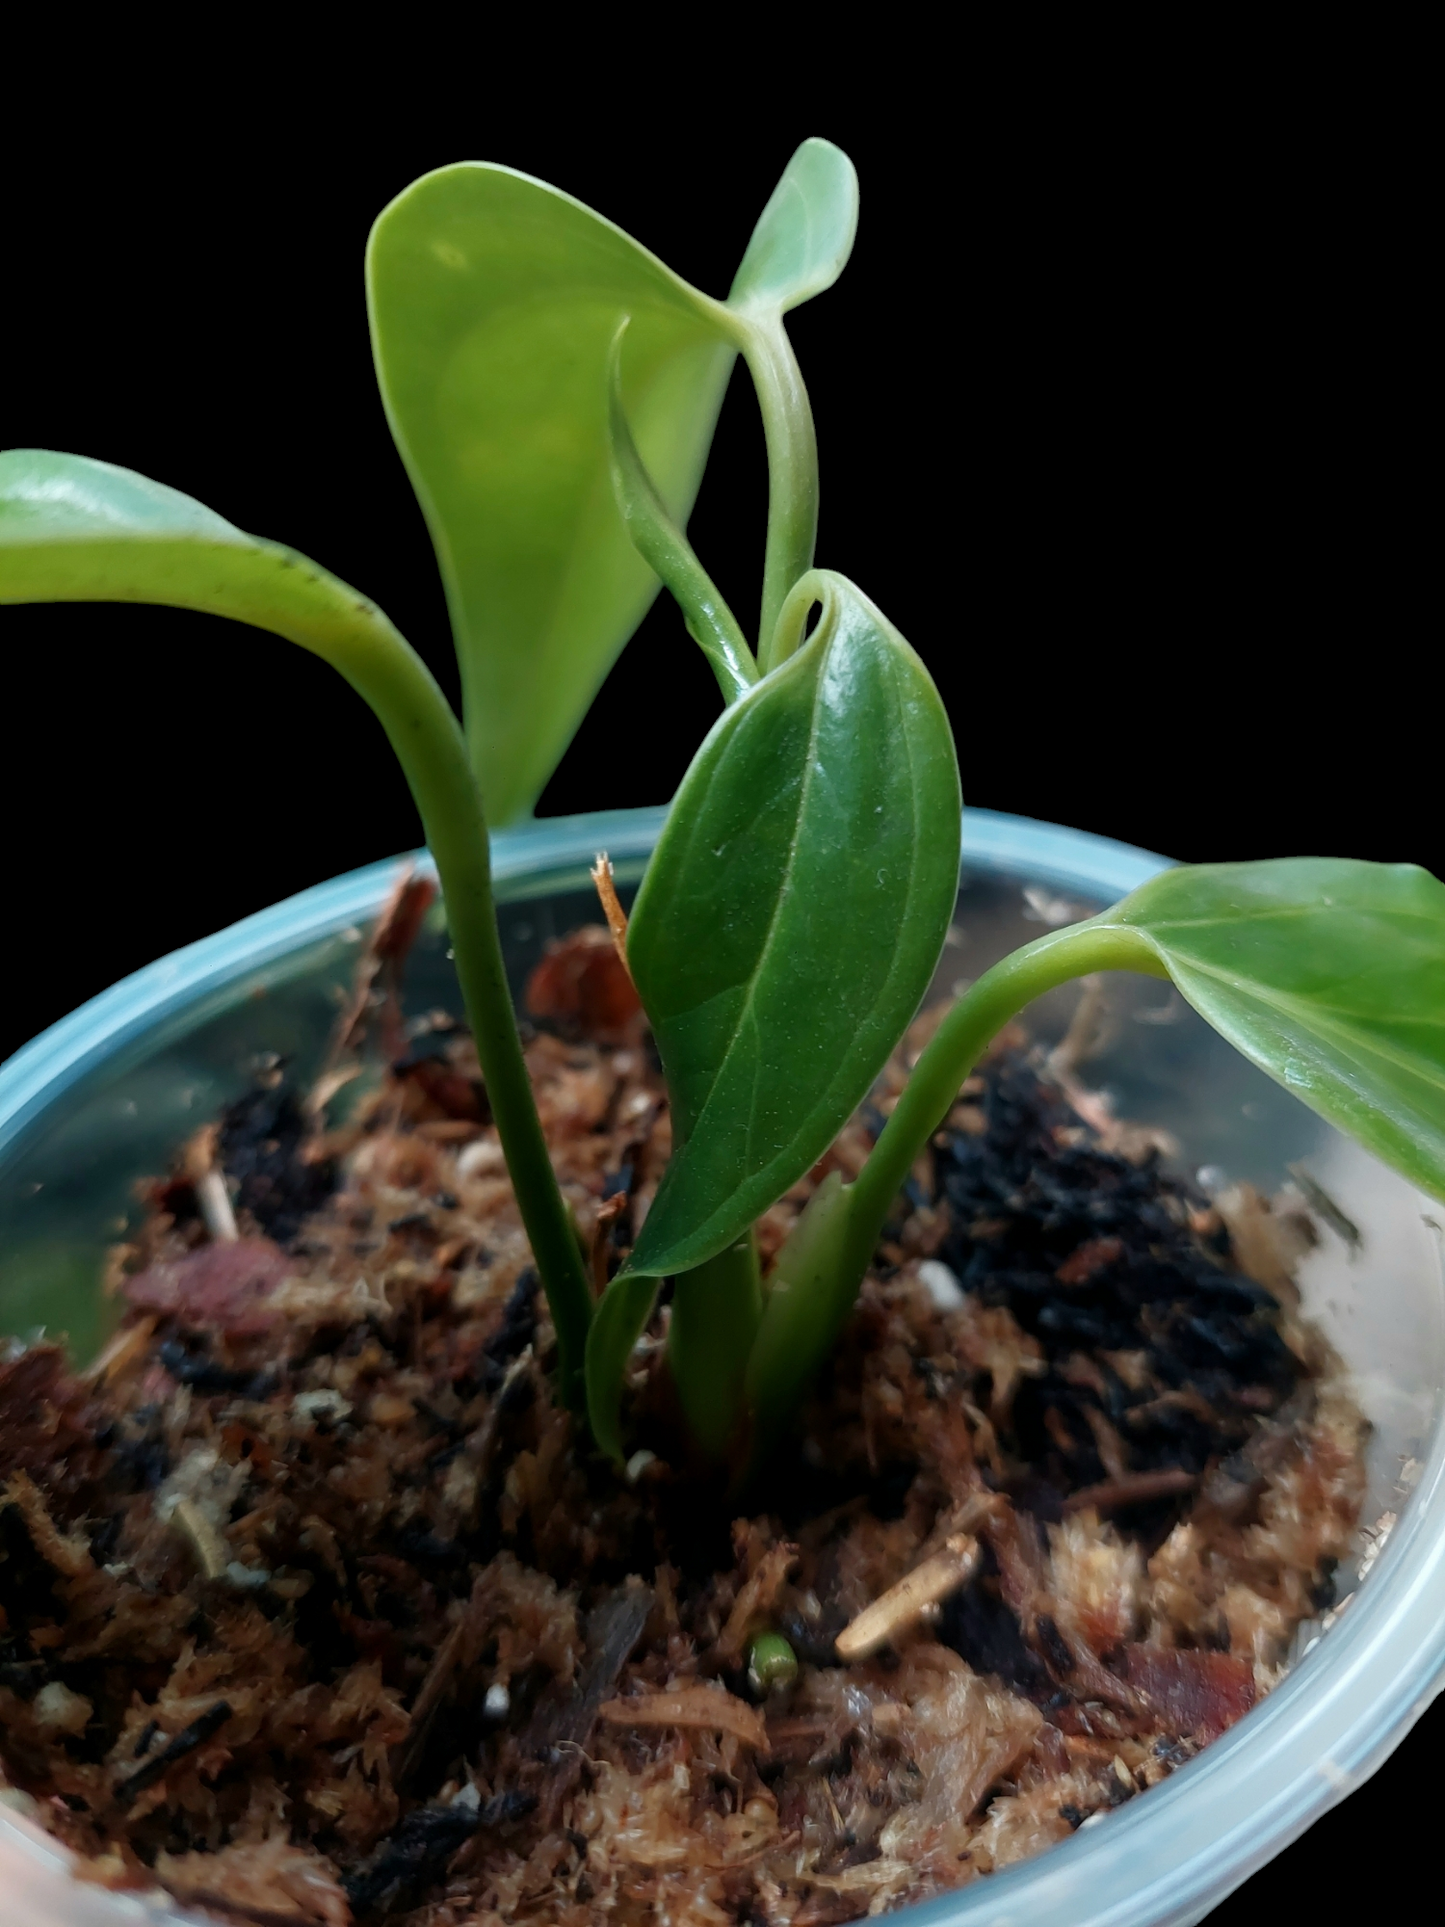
791, 917
617, 1324
494, 300
1329, 974
805, 233
76, 530
73, 530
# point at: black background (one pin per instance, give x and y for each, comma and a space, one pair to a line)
1119, 412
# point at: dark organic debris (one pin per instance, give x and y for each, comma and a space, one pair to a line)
186, 1741
418, 1852
260, 1148
1100, 1261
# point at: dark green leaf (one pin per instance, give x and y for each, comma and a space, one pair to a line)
791, 917
1329, 974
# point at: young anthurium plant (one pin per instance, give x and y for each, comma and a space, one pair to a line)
553, 388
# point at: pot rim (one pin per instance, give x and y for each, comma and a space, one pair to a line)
1165, 1859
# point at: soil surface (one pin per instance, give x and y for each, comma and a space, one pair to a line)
316, 1607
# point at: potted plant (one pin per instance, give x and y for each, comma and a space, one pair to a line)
552, 388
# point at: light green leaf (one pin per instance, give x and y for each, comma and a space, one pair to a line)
76, 530
494, 300
791, 917
1329, 974
805, 233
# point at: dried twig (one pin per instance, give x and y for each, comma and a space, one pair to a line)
707, 1707
210, 1554
611, 908
392, 936
906, 1602
67, 1552
208, 1181
608, 1212
1133, 1489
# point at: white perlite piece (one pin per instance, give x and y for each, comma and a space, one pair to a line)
940, 1284
57, 1710
324, 1404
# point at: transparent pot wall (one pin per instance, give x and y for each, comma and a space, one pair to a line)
104, 1098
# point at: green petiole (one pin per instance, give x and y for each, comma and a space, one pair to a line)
666, 550
792, 446
956, 1046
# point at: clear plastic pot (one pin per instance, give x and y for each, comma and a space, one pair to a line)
104, 1096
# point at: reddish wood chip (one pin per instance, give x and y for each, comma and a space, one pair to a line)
221, 1287
582, 981
1198, 1693
457, 1097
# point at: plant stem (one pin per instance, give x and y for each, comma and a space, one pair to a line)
668, 553
956, 1047
716, 1310
428, 742
792, 467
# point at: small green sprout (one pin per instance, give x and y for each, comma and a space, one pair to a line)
552, 387
772, 1664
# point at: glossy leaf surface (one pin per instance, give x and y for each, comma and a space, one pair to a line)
805, 233
494, 300
1329, 974
791, 918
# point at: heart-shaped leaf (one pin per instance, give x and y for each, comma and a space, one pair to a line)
791, 917
1328, 973
494, 300
805, 233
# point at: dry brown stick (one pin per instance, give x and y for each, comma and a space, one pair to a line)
905, 1602
208, 1182
1131, 1490
608, 1212
611, 908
